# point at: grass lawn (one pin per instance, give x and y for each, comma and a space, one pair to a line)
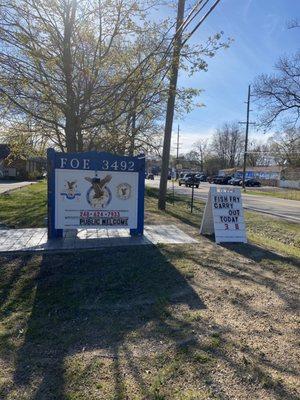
288, 194
171, 322
24, 208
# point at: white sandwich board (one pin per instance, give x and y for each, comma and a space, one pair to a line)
224, 216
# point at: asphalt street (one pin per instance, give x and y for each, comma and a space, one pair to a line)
281, 208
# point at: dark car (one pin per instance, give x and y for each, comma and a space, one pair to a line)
234, 181
150, 176
221, 180
192, 180
202, 177
183, 177
210, 179
251, 183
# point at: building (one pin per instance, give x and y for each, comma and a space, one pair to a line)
273, 175
30, 168
269, 176
290, 178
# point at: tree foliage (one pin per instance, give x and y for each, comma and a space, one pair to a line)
278, 95
91, 73
227, 143
285, 147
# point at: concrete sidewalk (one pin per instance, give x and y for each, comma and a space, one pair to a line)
6, 186
35, 239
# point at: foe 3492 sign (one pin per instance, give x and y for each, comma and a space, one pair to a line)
95, 190
224, 216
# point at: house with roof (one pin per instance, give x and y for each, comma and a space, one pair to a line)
272, 175
19, 168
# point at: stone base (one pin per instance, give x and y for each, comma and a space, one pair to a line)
35, 239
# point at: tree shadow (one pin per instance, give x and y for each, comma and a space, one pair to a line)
257, 254
14, 276
93, 302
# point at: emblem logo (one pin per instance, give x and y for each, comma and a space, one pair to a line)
124, 191
98, 195
70, 192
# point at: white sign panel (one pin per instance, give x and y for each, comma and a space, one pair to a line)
106, 199
224, 216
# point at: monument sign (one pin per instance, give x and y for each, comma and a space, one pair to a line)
95, 190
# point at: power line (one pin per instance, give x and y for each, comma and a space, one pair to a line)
179, 42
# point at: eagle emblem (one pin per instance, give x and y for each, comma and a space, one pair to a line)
124, 191
99, 195
70, 190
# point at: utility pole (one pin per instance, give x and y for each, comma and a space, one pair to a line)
170, 107
246, 135
177, 146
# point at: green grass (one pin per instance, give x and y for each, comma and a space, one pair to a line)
75, 322
27, 207
269, 232
24, 208
150, 322
288, 194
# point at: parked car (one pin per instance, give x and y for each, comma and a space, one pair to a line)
221, 180
150, 176
192, 180
202, 177
234, 181
211, 178
251, 183
182, 178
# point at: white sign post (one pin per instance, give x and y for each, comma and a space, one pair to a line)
224, 216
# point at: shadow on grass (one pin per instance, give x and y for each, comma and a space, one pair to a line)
180, 208
258, 254
91, 311
93, 302
269, 260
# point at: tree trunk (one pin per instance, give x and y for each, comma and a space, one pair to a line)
79, 140
170, 108
133, 133
71, 118
70, 131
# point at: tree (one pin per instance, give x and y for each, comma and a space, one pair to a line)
227, 144
258, 154
194, 56
72, 66
278, 95
285, 147
23, 140
213, 164
201, 147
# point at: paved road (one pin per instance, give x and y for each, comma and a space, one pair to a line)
10, 185
287, 209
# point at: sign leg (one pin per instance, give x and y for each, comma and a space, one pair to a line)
52, 232
141, 194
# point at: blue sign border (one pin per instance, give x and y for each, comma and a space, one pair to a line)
93, 160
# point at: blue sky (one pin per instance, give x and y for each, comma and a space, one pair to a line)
260, 33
